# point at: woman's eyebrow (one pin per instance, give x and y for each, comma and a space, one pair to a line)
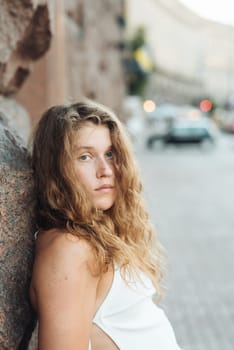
78, 148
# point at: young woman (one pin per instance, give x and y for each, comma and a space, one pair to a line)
95, 269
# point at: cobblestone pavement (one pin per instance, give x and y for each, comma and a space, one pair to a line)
190, 195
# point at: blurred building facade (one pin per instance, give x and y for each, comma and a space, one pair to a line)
193, 56
84, 59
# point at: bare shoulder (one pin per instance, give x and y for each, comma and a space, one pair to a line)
63, 290
60, 257
56, 243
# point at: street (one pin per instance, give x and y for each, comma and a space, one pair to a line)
190, 195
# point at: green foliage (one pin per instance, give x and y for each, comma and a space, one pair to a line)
136, 74
138, 39
137, 84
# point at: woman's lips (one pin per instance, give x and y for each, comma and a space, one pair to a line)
104, 188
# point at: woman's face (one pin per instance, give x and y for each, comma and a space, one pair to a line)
94, 164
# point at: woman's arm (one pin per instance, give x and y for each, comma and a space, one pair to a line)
65, 294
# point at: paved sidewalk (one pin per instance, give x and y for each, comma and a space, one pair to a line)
191, 199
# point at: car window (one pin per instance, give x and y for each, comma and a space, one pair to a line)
189, 131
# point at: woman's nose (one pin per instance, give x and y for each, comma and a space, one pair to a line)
104, 168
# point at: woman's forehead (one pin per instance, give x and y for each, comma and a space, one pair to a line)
92, 135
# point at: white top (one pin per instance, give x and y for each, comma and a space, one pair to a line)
131, 319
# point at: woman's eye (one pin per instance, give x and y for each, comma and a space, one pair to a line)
110, 154
84, 157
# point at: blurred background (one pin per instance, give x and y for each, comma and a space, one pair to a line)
166, 67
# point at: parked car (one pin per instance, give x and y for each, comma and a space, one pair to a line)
183, 131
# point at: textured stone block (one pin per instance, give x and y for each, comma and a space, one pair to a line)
14, 116
16, 238
93, 43
24, 37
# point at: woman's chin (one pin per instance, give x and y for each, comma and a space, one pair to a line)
104, 206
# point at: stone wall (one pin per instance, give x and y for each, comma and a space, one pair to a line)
24, 37
93, 36
84, 60
16, 229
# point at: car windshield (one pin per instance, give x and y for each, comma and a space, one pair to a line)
189, 131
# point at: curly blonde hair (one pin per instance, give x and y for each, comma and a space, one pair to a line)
122, 234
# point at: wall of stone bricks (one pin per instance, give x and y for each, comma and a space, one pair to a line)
85, 58
25, 36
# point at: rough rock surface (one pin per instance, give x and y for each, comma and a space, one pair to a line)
16, 118
24, 37
16, 238
90, 35
94, 38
